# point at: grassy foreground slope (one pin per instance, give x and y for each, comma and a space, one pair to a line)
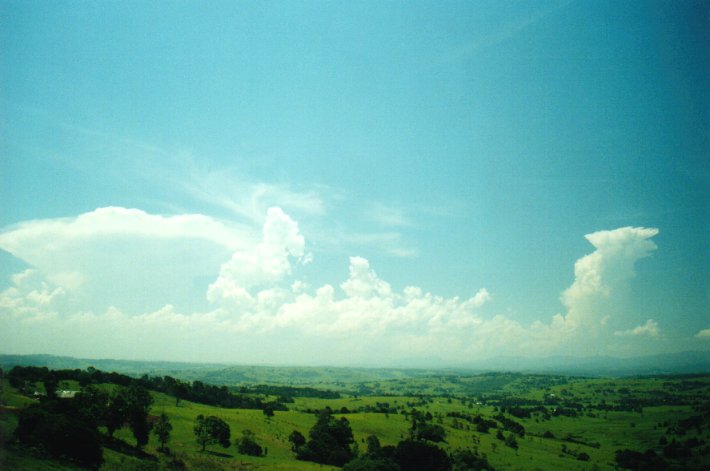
556, 422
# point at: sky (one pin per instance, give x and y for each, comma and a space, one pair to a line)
354, 183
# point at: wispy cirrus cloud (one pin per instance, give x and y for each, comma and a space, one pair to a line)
250, 197
387, 215
504, 32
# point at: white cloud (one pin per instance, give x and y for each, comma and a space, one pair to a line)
249, 198
29, 240
363, 282
126, 257
266, 263
650, 329
703, 334
599, 275
261, 312
387, 215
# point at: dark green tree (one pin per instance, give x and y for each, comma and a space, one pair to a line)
330, 441
162, 430
51, 383
466, 460
431, 432
59, 430
268, 410
297, 440
417, 455
92, 403
116, 413
211, 430
138, 402
373, 445
247, 445
511, 441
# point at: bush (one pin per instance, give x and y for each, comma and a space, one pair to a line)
247, 445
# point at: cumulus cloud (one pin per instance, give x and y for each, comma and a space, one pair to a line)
261, 311
266, 263
650, 329
363, 281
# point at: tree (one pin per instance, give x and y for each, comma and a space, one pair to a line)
431, 432
58, 429
116, 413
211, 430
92, 403
330, 441
466, 460
511, 441
138, 402
51, 383
162, 430
297, 440
373, 445
268, 410
180, 391
417, 455
247, 445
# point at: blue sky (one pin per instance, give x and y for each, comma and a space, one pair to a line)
383, 181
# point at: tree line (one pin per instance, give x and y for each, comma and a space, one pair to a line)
69, 428
24, 378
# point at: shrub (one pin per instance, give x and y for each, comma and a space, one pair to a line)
247, 445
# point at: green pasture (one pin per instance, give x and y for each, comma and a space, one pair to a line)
593, 432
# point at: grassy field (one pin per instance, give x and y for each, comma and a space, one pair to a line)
569, 418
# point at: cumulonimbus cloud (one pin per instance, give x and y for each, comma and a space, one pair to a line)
126, 257
259, 309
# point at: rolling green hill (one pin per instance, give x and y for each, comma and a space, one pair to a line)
513, 420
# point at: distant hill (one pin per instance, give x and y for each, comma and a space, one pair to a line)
231, 374
129, 367
670, 363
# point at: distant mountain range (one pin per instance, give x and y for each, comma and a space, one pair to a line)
225, 373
